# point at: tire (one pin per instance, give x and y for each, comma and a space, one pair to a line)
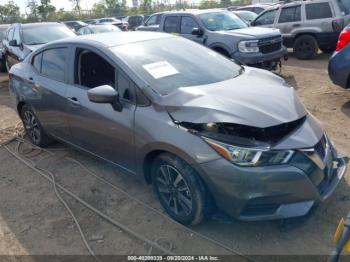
179, 189
33, 128
3, 67
305, 47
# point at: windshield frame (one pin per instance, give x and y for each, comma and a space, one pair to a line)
224, 13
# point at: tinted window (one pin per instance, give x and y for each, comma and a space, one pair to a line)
34, 35
171, 24
153, 20
225, 20
257, 10
36, 62
53, 63
170, 63
187, 25
290, 14
266, 18
318, 11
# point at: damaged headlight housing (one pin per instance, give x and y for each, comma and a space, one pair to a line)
250, 156
248, 46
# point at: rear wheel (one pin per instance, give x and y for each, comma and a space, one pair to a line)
179, 189
305, 47
33, 128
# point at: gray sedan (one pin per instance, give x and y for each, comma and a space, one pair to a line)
206, 132
98, 29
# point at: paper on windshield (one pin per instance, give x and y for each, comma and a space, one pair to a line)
160, 69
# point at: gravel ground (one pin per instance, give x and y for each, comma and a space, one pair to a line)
33, 221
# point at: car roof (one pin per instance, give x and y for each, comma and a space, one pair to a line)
114, 39
40, 24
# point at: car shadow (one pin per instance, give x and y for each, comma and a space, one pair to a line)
345, 108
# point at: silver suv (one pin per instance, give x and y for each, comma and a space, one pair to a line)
309, 25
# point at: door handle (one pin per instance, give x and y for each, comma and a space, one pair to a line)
73, 100
296, 25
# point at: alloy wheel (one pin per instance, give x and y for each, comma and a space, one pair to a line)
174, 190
31, 126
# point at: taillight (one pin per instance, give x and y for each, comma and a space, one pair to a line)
344, 39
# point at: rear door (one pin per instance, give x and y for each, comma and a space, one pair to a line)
49, 85
289, 20
99, 128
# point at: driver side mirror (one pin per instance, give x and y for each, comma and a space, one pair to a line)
13, 43
197, 31
105, 95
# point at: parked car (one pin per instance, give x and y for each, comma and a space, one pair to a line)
75, 25
307, 25
113, 21
3, 29
97, 29
22, 39
246, 16
256, 8
225, 33
202, 129
135, 21
90, 21
339, 63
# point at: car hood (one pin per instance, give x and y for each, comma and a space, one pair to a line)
255, 98
256, 32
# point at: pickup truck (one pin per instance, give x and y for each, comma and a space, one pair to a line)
225, 33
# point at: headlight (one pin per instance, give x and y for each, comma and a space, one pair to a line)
250, 156
248, 46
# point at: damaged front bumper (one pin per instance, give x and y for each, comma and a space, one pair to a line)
272, 192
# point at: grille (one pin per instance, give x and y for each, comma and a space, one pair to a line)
321, 147
270, 44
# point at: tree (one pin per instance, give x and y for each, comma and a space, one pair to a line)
9, 13
76, 6
32, 11
116, 7
225, 3
207, 4
45, 9
98, 10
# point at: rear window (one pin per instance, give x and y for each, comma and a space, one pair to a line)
318, 11
53, 63
344, 6
290, 14
172, 63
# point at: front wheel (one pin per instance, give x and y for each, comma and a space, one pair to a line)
179, 189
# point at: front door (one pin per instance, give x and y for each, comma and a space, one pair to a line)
187, 25
99, 128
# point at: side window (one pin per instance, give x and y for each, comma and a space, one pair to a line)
152, 20
266, 18
54, 63
257, 10
16, 35
290, 14
91, 70
187, 25
171, 24
318, 11
125, 87
36, 62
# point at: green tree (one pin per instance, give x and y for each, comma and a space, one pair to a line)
116, 7
32, 11
76, 6
225, 3
9, 13
98, 10
207, 4
45, 9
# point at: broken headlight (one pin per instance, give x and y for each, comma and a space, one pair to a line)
250, 156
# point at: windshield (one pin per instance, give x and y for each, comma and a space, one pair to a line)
344, 6
36, 35
170, 63
105, 29
224, 20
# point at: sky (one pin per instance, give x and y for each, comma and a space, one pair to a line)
85, 4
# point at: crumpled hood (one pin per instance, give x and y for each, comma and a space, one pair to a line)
256, 32
256, 98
